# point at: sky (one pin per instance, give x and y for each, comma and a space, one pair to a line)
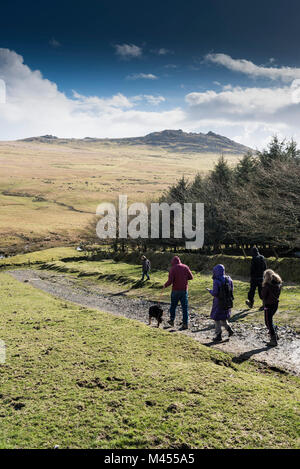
122, 69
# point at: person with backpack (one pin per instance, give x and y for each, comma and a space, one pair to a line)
179, 276
223, 301
271, 290
258, 266
146, 266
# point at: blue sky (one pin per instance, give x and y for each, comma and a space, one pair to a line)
127, 68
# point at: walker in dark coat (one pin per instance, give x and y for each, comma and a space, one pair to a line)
258, 266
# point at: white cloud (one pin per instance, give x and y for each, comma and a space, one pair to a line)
250, 115
2, 91
128, 51
249, 68
54, 43
95, 103
148, 98
172, 66
155, 100
34, 106
244, 101
162, 51
142, 76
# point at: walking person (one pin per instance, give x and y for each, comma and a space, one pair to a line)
223, 301
179, 276
271, 290
146, 266
258, 266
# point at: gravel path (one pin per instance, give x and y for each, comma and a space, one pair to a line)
248, 342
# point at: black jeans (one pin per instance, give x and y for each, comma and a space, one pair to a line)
255, 283
147, 275
270, 310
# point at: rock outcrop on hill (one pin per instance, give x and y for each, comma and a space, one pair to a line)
174, 140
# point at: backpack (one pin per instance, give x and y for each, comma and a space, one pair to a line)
225, 295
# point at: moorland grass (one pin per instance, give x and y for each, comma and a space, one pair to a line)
38, 257
50, 191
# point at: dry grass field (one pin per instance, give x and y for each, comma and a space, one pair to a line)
49, 191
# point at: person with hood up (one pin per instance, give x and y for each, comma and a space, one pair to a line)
271, 290
146, 266
222, 303
179, 276
258, 266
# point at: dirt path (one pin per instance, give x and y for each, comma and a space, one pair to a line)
248, 342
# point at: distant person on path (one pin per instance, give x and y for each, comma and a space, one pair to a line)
258, 266
146, 266
271, 290
223, 301
179, 276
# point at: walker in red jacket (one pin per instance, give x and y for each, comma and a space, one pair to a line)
179, 276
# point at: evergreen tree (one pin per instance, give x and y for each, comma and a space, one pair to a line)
279, 151
222, 173
196, 188
244, 169
179, 192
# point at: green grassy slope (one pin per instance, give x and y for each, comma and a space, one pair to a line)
78, 378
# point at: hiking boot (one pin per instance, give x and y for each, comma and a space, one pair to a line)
184, 327
230, 331
248, 303
171, 323
261, 308
217, 338
273, 341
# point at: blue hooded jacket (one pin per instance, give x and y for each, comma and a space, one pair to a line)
217, 312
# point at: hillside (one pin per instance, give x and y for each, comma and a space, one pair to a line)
190, 142
174, 140
50, 187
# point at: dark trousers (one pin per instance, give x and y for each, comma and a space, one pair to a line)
270, 310
255, 283
182, 296
147, 275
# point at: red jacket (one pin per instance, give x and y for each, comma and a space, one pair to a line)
179, 275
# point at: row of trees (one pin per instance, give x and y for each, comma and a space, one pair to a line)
255, 202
